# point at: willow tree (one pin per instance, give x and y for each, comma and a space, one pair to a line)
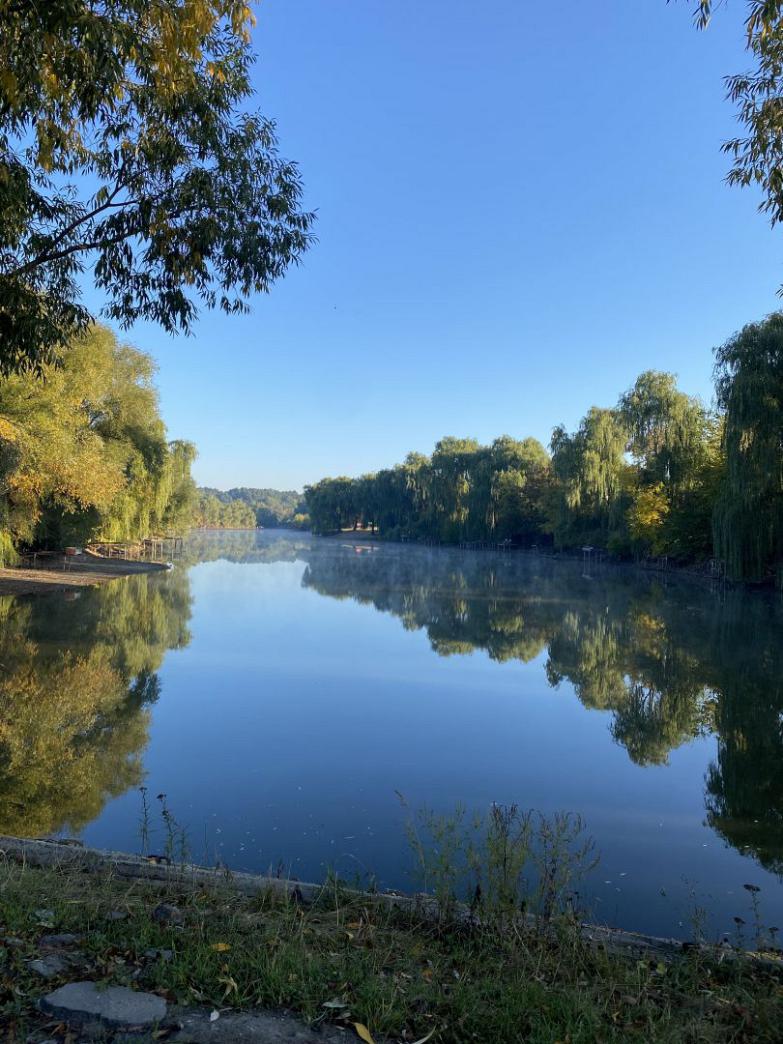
453, 473
332, 504
127, 144
84, 452
519, 473
672, 441
748, 521
756, 154
590, 477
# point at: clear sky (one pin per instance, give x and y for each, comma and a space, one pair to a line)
518, 213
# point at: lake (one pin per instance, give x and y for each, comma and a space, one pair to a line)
281, 690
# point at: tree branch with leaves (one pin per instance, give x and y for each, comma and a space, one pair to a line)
126, 145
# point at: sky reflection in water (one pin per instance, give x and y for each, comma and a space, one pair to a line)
280, 689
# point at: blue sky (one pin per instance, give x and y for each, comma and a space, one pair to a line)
517, 214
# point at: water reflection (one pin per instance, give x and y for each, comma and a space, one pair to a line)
670, 663
78, 678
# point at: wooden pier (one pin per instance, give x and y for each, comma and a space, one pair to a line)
152, 549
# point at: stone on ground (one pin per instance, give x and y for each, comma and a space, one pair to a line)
81, 1003
255, 1028
60, 939
165, 913
50, 966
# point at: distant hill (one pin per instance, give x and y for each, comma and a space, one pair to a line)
273, 507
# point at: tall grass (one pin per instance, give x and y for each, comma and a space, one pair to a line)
502, 864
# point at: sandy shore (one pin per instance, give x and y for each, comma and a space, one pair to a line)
69, 574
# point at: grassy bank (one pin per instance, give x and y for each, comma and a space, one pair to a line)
350, 959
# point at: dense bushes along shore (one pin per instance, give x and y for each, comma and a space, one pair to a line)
657, 474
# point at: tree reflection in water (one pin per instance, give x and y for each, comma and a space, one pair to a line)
669, 658
74, 710
669, 661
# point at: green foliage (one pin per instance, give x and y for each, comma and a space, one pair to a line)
188, 199
83, 451
8, 556
640, 479
463, 492
757, 155
503, 863
588, 497
332, 505
273, 507
647, 517
749, 510
212, 513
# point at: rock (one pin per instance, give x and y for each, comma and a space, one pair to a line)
13, 943
117, 915
165, 913
50, 966
45, 916
155, 955
196, 1027
82, 1003
53, 942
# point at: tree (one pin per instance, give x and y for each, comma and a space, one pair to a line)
762, 17
331, 504
211, 512
124, 142
757, 156
666, 429
749, 510
520, 481
590, 471
84, 452
672, 440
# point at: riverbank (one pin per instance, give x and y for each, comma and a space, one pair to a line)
591, 559
71, 573
199, 948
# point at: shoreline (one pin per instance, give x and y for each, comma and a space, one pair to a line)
71, 574
158, 871
603, 559
106, 942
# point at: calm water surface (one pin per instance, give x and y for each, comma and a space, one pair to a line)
280, 689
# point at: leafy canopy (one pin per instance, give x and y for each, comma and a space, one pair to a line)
125, 143
84, 453
757, 154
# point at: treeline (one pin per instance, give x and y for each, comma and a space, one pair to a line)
84, 453
273, 508
213, 513
657, 474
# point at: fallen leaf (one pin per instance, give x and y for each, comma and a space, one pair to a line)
221, 947
363, 1032
214, 1016
335, 1002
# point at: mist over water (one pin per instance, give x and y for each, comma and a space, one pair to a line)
279, 689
